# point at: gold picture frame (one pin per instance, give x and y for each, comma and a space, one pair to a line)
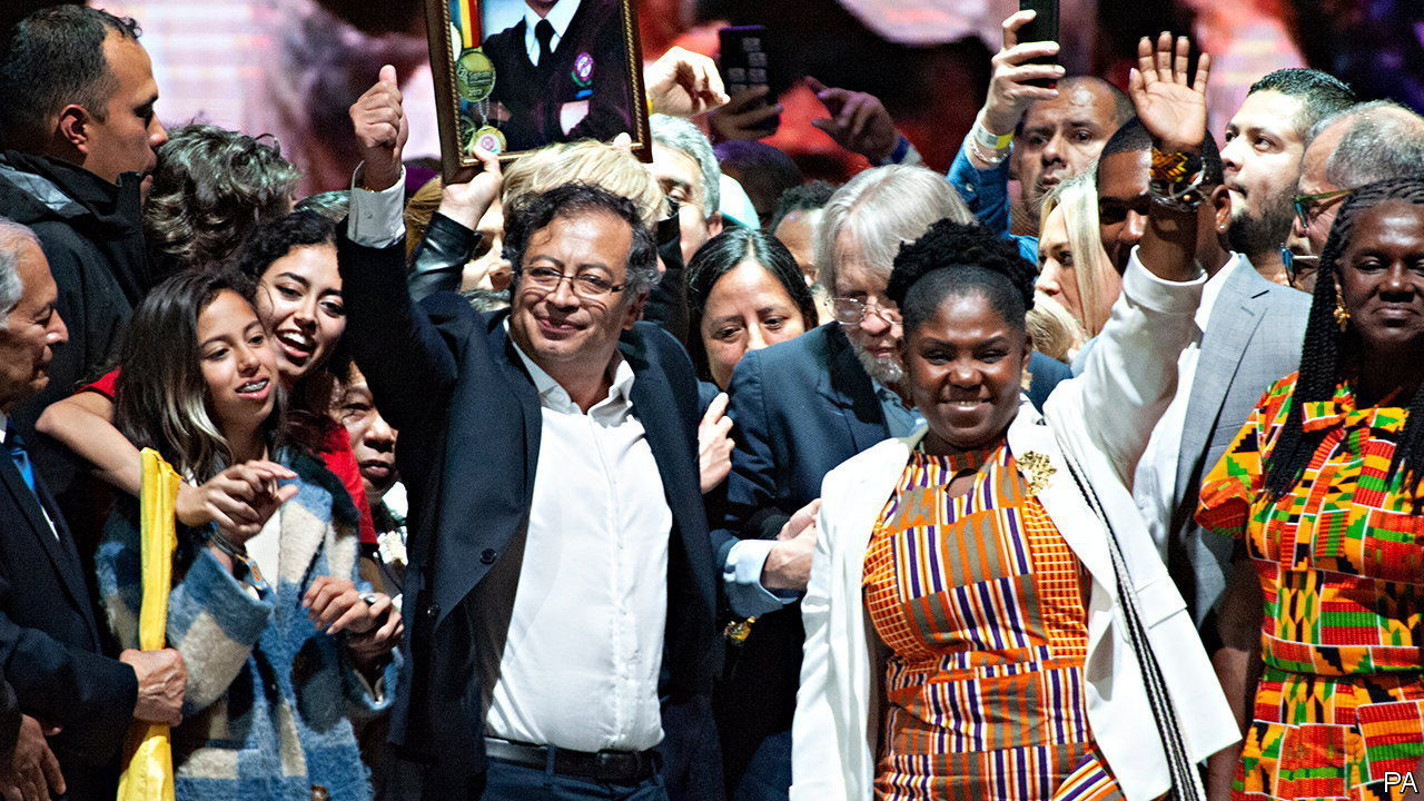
518, 89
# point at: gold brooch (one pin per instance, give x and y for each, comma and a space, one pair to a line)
1038, 469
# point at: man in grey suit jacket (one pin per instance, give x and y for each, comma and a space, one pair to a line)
1250, 334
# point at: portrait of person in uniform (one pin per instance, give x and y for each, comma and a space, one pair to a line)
542, 71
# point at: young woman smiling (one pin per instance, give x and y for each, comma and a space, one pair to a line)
255, 608
298, 299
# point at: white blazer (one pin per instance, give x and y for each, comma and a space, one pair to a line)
1100, 421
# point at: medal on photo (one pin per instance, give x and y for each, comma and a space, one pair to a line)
474, 75
490, 138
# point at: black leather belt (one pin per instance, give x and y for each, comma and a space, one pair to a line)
612, 767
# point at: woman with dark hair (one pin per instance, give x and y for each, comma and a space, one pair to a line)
298, 298
255, 608
989, 578
1324, 491
744, 292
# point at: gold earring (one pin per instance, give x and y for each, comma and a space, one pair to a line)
1342, 314
1026, 380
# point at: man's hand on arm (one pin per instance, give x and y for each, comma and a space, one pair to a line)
788, 565
1174, 112
33, 773
162, 680
381, 132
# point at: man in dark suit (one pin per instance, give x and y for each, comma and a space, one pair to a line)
560, 593
801, 408
51, 645
562, 73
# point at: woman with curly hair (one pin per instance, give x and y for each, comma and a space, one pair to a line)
211, 190
1324, 491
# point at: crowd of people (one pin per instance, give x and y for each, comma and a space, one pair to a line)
1093, 469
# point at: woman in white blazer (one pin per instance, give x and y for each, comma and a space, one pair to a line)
918, 623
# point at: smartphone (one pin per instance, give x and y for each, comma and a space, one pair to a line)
745, 63
1043, 28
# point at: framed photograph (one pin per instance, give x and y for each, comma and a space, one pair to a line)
515, 75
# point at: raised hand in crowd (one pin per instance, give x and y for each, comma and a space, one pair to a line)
162, 680
714, 446
1011, 90
682, 83
1173, 110
466, 202
788, 565
381, 131
748, 114
858, 121
33, 773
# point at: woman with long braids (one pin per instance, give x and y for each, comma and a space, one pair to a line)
1324, 490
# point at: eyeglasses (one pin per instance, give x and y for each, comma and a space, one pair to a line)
1309, 207
589, 286
852, 311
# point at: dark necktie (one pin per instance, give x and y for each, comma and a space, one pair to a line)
544, 32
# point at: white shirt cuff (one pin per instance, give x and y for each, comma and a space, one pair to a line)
376, 219
742, 575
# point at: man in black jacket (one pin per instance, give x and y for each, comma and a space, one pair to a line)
560, 593
52, 648
80, 135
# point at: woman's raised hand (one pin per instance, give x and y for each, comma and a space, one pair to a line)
1171, 109
239, 500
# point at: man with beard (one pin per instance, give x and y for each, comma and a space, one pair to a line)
1250, 333
1265, 144
801, 408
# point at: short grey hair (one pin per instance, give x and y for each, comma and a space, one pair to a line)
883, 208
1384, 140
679, 134
11, 287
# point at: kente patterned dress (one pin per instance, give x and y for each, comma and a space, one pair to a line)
982, 606
1341, 564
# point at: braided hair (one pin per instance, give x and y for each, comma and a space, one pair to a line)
1327, 350
953, 258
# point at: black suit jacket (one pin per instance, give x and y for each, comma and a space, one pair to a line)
800, 408
589, 64
469, 418
51, 646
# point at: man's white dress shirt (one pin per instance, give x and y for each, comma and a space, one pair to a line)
1155, 482
579, 664
559, 16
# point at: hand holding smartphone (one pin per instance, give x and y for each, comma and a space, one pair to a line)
1043, 28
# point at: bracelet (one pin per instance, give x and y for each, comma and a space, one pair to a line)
1174, 167
992, 141
990, 158
238, 554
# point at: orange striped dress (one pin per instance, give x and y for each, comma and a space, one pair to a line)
983, 608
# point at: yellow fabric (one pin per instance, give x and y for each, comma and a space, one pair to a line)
149, 774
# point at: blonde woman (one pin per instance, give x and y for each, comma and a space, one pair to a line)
1073, 266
